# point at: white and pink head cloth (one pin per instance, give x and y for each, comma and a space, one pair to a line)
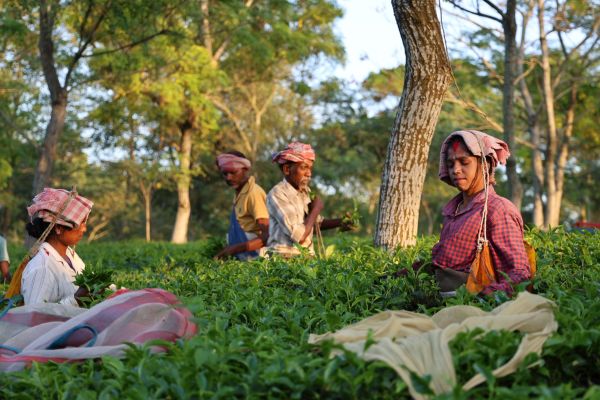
48, 205
494, 149
294, 152
228, 161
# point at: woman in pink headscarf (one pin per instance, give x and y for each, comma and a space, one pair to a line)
58, 220
467, 161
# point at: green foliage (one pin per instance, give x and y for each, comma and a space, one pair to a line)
254, 320
5, 173
387, 82
478, 352
94, 279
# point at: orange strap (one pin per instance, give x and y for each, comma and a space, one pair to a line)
15, 284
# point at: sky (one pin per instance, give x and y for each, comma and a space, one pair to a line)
371, 38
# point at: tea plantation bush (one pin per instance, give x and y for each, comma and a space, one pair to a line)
254, 320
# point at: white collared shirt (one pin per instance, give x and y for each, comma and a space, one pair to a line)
287, 209
48, 278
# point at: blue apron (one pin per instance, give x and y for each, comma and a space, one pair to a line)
237, 235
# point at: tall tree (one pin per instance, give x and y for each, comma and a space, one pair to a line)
557, 141
118, 123
550, 91
83, 23
428, 75
533, 120
166, 83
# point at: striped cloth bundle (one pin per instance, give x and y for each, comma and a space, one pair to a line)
63, 333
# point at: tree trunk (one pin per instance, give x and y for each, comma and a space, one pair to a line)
54, 129
205, 29
509, 26
429, 216
147, 202
96, 232
552, 205
180, 230
147, 196
537, 176
58, 99
427, 77
533, 126
537, 171
563, 153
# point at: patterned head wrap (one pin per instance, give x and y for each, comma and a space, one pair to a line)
226, 160
294, 152
49, 203
495, 149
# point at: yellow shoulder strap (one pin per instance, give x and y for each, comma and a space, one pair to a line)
531, 256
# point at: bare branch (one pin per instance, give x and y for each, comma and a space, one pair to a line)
525, 143
563, 48
129, 45
591, 48
563, 65
221, 50
531, 66
474, 22
88, 11
591, 33
232, 117
86, 43
486, 63
495, 7
478, 13
451, 98
219, 53
267, 102
591, 61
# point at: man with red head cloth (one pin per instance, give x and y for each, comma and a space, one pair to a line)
293, 216
249, 220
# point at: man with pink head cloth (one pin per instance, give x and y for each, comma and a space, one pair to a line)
249, 219
293, 216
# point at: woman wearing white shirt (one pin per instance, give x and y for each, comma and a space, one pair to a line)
49, 276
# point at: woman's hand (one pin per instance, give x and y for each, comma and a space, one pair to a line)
82, 295
347, 223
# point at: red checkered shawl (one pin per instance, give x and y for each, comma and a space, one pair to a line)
458, 240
